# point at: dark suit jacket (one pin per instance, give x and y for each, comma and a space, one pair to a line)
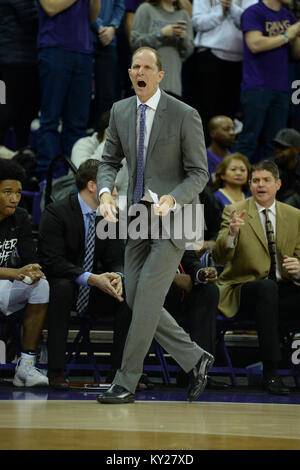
61, 243
191, 265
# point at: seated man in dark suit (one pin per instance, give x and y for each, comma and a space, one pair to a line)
22, 283
193, 301
84, 271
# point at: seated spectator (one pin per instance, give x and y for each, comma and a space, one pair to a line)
92, 146
22, 283
222, 136
167, 27
193, 300
271, 37
287, 157
84, 271
219, 54
259, 243
231, 180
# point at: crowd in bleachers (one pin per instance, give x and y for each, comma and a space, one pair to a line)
64, 64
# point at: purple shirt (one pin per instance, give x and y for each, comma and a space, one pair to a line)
68, 30
213, 161
266, 70
223, 200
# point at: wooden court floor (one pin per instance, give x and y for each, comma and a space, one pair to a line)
143, 425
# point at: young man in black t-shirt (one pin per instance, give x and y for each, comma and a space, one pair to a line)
22, 283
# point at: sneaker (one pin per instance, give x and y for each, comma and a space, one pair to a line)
29, 376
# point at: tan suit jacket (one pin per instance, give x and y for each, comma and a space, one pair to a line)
249, 259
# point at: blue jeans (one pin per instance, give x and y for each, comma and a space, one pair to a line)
105, 68
265, 112
66, 86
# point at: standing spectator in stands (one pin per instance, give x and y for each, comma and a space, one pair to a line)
18, 70
130, 8
22, 283
124, 50
66, 67
219, 45
287, 157
231, 180
271, 32
165, 26
222, 136
105, 54
294, 120
132, 5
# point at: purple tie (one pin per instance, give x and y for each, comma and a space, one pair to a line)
140, 183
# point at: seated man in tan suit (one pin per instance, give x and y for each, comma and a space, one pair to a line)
259, 241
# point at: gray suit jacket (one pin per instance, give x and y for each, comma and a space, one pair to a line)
176, 161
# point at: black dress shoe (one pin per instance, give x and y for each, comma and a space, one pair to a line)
275, 386
58, 381
116, 395
216, 385
145, 383
198, 376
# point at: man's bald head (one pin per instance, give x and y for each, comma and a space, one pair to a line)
221, 130
218, 121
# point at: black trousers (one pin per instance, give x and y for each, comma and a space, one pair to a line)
217, 87
268, 304
22, 101
196, 313
63, 296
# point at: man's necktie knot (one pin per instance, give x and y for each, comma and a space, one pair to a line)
139, 190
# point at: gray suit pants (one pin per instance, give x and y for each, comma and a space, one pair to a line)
150, 267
